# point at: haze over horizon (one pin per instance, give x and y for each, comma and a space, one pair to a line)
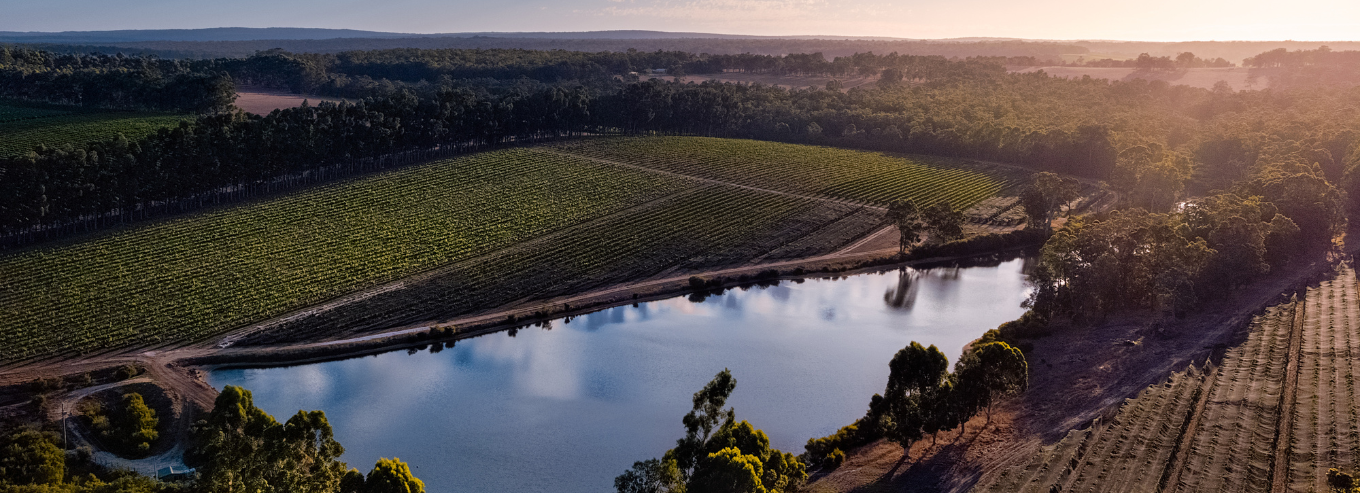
1151, 20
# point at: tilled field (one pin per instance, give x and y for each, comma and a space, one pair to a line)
1274, 415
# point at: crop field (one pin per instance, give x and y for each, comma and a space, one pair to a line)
187, 278
476, 232
866, 177
1128, 453
1227, 437
685, 231
24, 127
1326, 427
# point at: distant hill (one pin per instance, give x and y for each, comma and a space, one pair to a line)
241, 41
302, 33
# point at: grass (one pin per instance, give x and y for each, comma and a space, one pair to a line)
25, 126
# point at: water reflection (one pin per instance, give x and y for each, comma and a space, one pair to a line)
567, 409
903, 296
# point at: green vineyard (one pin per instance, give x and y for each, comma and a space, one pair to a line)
685, 231
866, 177
476, 232
24, 127
1227, 426
188, 278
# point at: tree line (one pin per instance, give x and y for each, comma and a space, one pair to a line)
924, 398
1153, 142
114, 81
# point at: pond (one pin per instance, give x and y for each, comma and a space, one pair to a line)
567, 407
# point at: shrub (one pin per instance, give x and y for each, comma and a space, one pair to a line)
834, 459
127, 371
131, 428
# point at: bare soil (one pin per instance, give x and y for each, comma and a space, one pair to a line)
262, 101
786, 81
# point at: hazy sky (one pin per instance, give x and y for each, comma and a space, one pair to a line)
1156, 20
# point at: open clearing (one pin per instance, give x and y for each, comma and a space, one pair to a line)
481, 231
263, 101
26, 126
787, 81
1205, 78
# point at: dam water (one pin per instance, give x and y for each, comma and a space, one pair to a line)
566, 407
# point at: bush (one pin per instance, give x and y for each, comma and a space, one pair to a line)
696, 283
834, 459
127, 371
829, 451
130, 429
1028, 326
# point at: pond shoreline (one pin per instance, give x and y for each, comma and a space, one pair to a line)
409, 337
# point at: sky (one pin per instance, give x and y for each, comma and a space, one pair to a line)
1147, 20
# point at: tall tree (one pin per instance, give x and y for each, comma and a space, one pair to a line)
1045, 197
907, 217
990, 372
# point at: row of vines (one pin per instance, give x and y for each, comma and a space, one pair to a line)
691, 230
1224, 435
22, 129
865, 177
1326, 422
480, 231
188, 278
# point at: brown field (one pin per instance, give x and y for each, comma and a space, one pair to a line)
1205, 78
262, 101
785, 81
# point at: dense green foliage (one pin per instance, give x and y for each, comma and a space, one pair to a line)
239, 447
103, 81
717, 454
31, 462
30, 457
387, 476
128, 429
188, 278
1172, 261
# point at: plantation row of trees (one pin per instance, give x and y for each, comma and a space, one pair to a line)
924, 398
1306, 68
1145, 61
